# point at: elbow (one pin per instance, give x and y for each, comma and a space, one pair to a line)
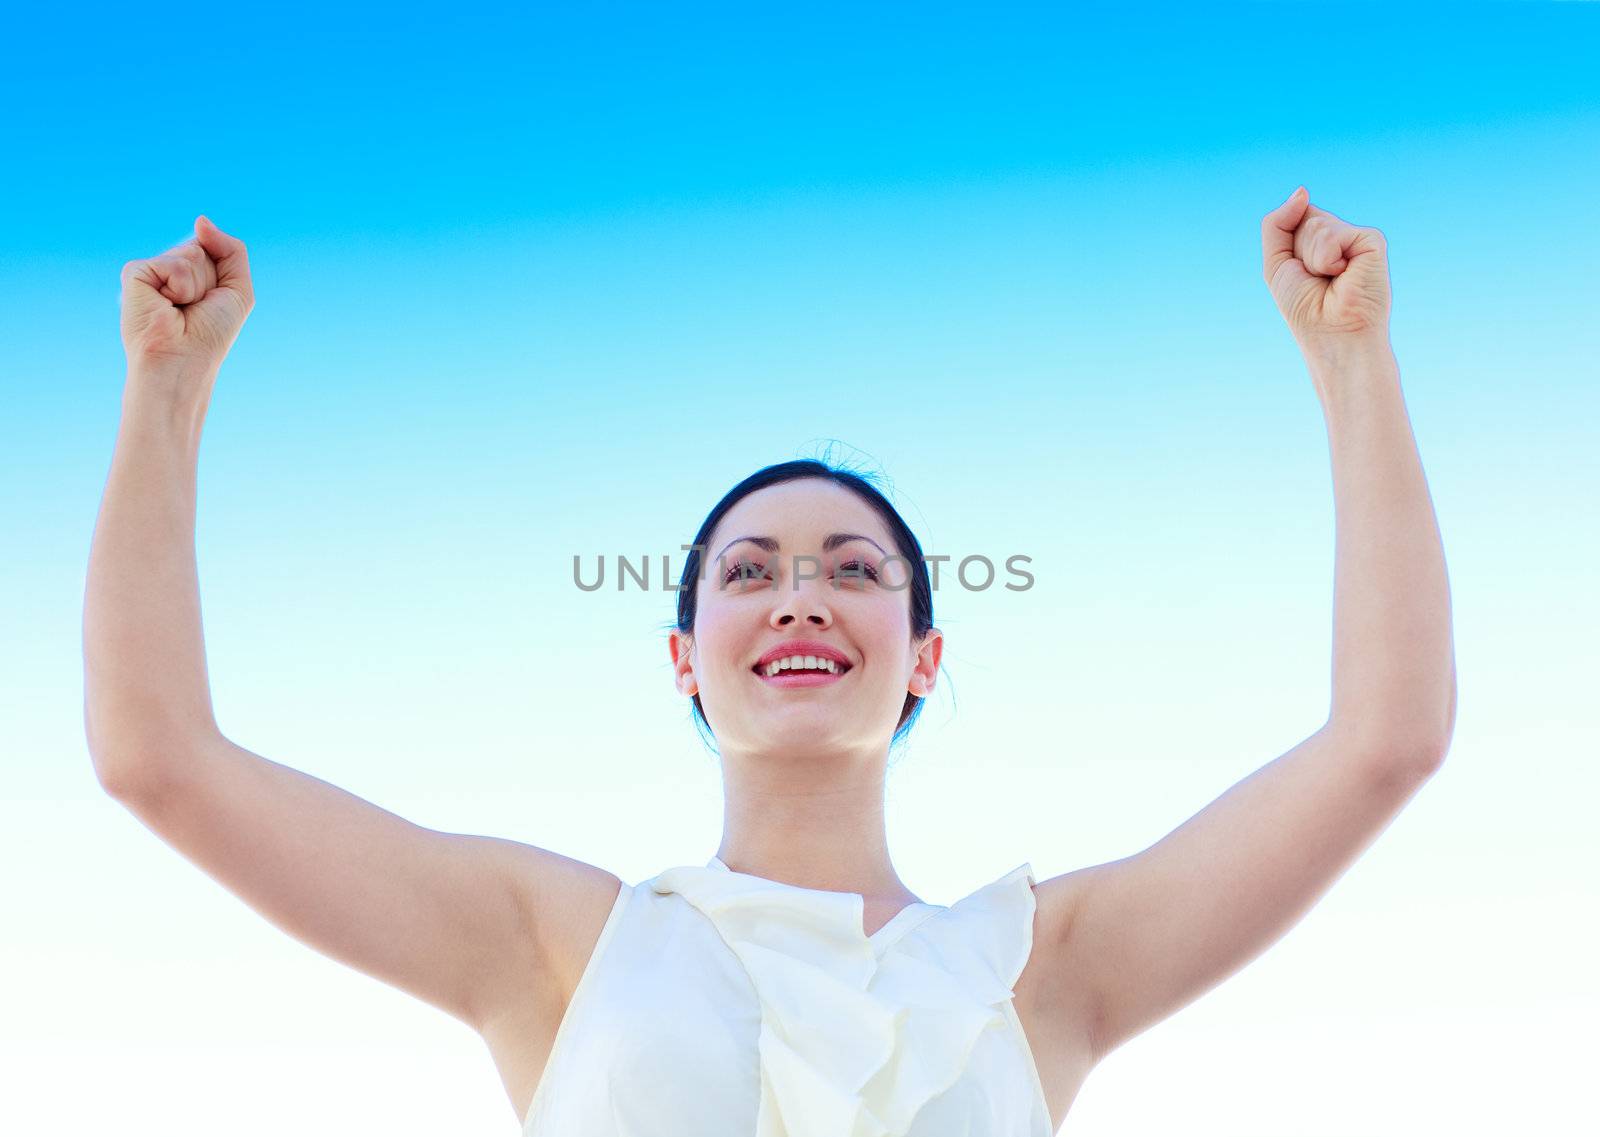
118, 777
134, 763
127, 776
1437, 744
1407, 752
1421, 758
1418, 754
1408, 736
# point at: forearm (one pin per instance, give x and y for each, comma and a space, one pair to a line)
145, 680
1394, 682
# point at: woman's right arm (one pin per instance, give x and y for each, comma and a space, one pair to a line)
463, 922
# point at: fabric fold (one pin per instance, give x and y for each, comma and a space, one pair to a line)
856, 1035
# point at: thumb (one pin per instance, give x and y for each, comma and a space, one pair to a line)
1277, 233
229, 255
1295, 207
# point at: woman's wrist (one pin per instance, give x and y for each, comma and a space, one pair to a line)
1345, 347
1340, 367
165, 402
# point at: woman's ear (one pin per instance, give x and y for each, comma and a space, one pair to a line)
680, 645
926, 671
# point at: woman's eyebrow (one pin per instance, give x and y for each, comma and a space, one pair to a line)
829, 543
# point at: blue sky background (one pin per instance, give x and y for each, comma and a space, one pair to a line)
540, 283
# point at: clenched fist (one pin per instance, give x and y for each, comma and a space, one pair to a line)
1329, 278
182, 310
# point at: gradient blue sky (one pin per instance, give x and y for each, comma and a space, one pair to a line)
540, 283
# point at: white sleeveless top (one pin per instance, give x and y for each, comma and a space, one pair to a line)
720, 1004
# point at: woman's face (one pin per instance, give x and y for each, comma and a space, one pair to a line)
752, 599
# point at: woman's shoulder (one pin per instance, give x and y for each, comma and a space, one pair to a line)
565, 904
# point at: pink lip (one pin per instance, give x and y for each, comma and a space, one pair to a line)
801, 678
803, 647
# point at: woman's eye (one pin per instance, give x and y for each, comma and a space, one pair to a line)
851, 570
738, 570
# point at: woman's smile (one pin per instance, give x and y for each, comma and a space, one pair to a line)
802, 678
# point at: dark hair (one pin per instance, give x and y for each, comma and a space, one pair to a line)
857, 483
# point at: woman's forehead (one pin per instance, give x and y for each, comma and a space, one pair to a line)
796, 514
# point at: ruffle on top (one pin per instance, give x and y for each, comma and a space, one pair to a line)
858, 1032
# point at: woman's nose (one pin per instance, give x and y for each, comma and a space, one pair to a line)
804, 599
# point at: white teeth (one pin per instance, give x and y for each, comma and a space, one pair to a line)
802, 662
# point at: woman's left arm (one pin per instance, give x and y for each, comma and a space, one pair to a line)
1394, 683
1394, 677
1130, 942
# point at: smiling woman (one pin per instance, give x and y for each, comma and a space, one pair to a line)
793, 986
827, 997
858, 562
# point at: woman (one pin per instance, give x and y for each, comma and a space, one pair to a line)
793, 986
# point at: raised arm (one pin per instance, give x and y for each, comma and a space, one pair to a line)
455, 920
1135, 940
